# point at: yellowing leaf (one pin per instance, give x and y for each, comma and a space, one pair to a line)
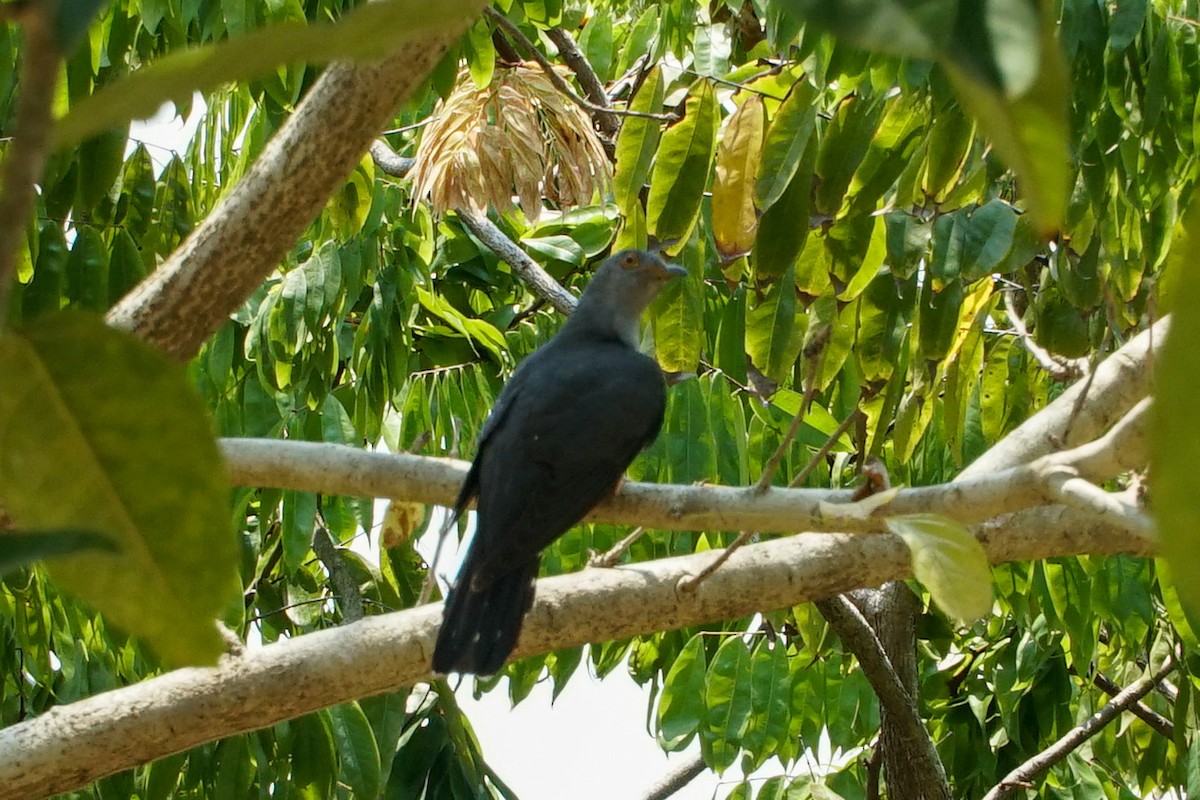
400, 521
949, 561
734, 219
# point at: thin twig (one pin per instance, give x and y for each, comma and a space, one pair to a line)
31, 143
857, 635
609, 558
515, 33
741, 86
431, 574
1023, 776
538, 280
808, 468
1061, 368
812, 357
690, 583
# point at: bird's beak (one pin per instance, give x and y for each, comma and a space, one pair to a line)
674, 271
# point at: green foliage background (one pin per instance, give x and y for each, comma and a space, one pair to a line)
913, 158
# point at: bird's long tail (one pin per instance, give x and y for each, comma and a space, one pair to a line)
480, 626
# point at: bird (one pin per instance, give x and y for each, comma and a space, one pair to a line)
566, 425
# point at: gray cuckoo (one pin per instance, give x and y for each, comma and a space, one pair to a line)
566, 425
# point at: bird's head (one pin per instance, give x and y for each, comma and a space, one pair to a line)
620, 291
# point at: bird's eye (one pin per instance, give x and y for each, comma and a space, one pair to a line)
629, 261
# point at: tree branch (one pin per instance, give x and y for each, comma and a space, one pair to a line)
539, 281
516, 35
676, 779
338, 469
856, 633
74, 744
33, 126
187, 298
1022, 777
588, 79
388, 160
1121, 380
345, 588
1138, 709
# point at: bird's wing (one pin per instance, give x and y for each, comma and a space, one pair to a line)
512, 389
564, 442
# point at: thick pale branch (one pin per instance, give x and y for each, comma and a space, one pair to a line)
1118, 383
72, 745
337, 469
187, 298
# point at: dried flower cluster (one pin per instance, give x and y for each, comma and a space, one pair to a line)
518, 137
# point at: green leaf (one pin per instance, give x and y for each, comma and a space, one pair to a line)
45, 292
681, 705
783, 230
949, 143
162, 777
19, 549
637, 141
987, 238
314, 759
949, 561
734, 218
71, 19
101, 159
678, 312
788, 140
1175, 429
939, 315
728, 695
481, 53
731, 337
774, 329
87, 271
369, 32
639, 38
771, 699
1029, 128
681, 168
125, 266
358, 754
235, 772
1126, 21
101, 432
596, 42
844, 144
